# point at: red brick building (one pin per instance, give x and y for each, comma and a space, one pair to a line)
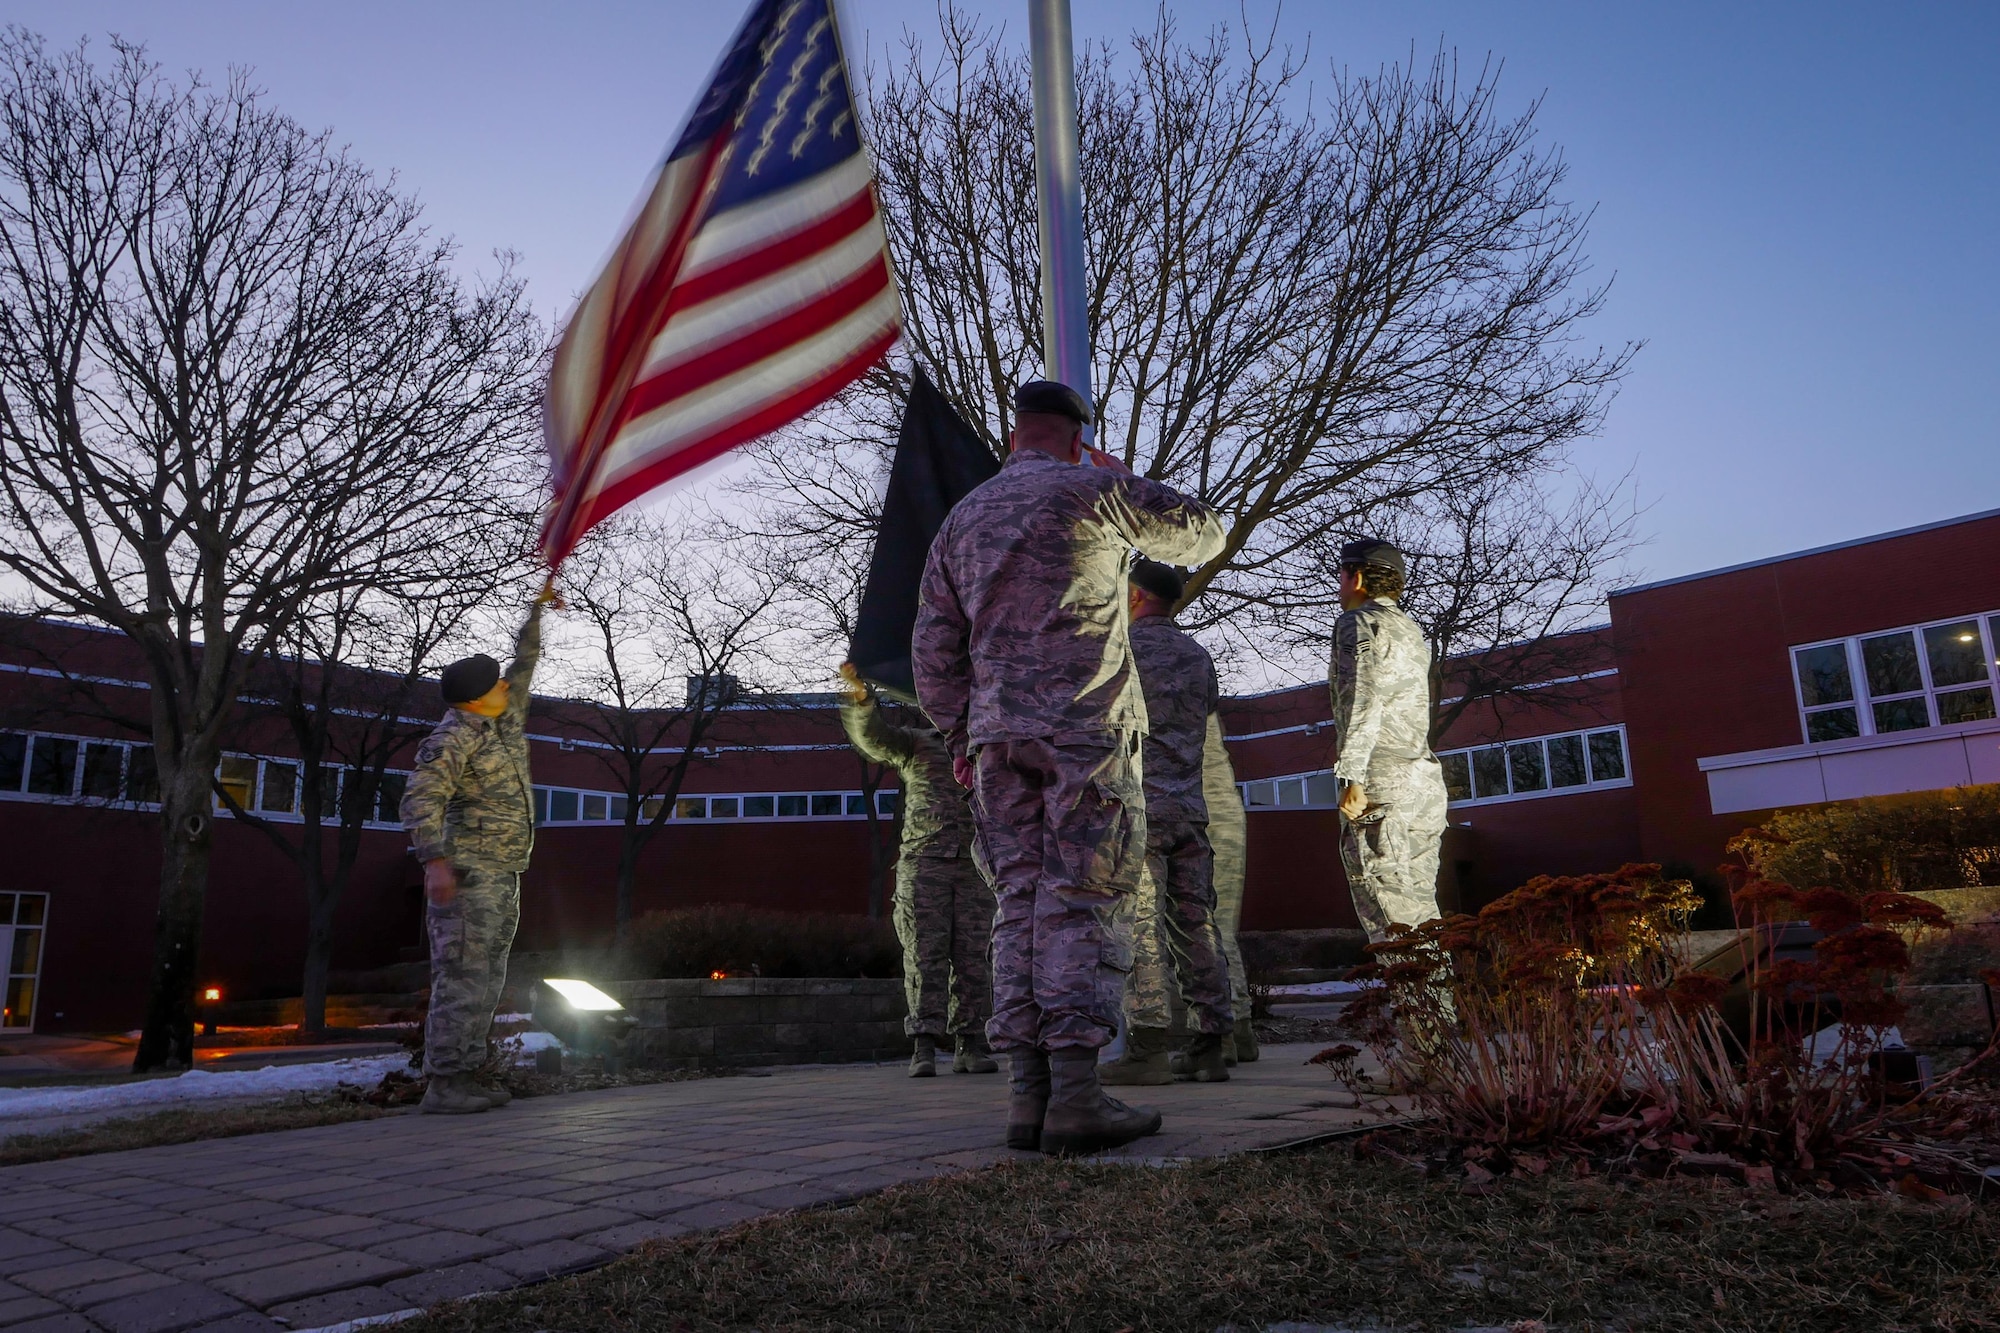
1860, 669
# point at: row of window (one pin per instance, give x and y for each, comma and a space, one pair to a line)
1544, 766
23, 917
558, 805
77, 768
1899, 680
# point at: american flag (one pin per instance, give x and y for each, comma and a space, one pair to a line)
753, 285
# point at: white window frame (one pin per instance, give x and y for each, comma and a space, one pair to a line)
1583, 735
544, 799
1864, 701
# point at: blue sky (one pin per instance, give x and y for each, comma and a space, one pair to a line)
1797, 200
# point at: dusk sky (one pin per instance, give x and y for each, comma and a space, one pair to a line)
1797, 201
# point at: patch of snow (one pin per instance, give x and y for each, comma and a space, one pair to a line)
1322, 989
197, 1085
536, 1041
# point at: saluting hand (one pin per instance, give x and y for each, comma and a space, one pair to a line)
1099, 458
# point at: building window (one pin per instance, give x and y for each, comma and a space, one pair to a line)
1909, 679
791, 807
722, 807
281, 788
759, 807
142, 776
691, 807
887, 802
237, 776
562, 807
826, 803
52, 767
1544, 766
23, 918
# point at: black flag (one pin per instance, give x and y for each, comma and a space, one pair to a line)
938, 460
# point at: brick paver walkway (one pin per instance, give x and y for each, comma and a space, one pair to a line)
312, 1227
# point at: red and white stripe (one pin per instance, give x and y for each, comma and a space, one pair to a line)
757, 315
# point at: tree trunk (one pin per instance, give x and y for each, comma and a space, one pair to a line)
187, 828
321, 900
628, 871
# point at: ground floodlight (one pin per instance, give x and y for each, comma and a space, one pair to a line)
582, 995
583, 1018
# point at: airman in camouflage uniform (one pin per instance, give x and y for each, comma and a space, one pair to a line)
1175, 943
469, 809
943, 906
1228, 835
1022, 659
1392, 800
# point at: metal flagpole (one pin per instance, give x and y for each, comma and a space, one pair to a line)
1059, 199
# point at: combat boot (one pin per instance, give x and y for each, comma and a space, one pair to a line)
923, 1060
452, 1094
971, 1057
1144, 1064
1203, 1059
1245, 1041
1081, 1118
495, 1093
1027, 1099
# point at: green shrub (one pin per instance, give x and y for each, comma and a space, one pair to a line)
743, 941
1896, 844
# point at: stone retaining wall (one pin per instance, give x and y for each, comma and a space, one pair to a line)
745, 1021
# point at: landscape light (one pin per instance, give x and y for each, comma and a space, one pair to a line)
582, 995
583, 1018
718, 976
212, 994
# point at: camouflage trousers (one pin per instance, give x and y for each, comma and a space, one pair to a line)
1226, 838
1062, 826
470, 940
944, 916
1391, 859
1175, 944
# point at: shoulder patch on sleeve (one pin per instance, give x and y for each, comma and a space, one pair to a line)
432, 747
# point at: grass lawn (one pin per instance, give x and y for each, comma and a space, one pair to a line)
1311, 1236
184, 1125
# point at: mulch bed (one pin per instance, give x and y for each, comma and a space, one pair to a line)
1318, 1236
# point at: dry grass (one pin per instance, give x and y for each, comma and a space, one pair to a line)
1245, 1242
184, 1125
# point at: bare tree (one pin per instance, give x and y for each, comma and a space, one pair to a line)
236, 376
674, 621
1323, 314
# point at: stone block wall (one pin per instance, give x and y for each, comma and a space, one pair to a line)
748, 1021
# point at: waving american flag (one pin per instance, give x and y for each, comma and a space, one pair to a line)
753, 285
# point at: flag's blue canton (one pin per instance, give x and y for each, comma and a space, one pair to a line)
739, 66
798, 114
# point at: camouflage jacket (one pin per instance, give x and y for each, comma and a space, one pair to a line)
937, 813
1381, 683
1178, 678
470, 799
1021, 629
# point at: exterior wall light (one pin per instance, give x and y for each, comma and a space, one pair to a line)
209, 995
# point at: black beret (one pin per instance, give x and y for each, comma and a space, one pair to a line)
1373, 552
1055, 399
1163, 581
468, 678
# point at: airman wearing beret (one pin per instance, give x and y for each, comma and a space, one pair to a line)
469, 809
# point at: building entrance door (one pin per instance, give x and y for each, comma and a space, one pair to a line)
22, 919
